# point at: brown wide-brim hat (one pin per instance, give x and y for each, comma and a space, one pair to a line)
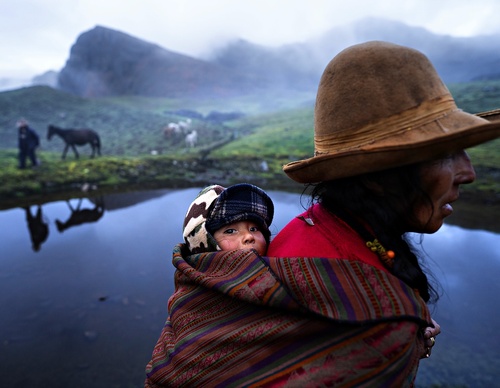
380, 105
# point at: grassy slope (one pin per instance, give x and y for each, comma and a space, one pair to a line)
277, 132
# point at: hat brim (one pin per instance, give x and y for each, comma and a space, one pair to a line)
399, 152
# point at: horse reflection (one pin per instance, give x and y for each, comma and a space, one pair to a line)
81, 216
39, 229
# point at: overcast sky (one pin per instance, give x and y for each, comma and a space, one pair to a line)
37, 35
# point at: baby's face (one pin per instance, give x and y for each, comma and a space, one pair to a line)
241, 235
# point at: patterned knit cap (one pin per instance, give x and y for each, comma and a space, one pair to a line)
242, 202
216, 206
195, 234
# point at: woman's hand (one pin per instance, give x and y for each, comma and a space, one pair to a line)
429, 335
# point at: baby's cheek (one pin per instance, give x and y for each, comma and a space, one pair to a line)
230, 244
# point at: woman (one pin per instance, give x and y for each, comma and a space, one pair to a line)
389, 160
341, 299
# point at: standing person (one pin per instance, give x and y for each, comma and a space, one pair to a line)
341, 297
389, 159
28, 140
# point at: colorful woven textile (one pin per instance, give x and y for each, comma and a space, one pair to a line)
240, 320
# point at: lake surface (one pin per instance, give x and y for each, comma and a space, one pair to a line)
86, 308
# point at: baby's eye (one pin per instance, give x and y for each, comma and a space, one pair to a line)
230, 231
254, 229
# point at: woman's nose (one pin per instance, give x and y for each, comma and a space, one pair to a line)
465, 172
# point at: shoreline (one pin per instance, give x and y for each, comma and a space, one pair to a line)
472, 204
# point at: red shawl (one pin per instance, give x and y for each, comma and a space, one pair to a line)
240, 320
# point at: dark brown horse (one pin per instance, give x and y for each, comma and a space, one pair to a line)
81, 216
76, 137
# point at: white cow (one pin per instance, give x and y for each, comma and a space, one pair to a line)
184, 126
172, 129
191, 139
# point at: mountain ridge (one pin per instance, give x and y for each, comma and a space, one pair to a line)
106, 62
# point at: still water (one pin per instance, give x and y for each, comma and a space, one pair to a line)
83, 306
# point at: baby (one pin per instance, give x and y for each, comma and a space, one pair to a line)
237, 217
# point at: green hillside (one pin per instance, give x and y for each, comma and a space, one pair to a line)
274, 129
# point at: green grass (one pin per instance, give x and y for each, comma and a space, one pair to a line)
277, 130
277, 138
476, 97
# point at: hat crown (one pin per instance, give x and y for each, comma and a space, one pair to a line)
372, 83
379, 106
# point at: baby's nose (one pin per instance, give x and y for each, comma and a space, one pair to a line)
248, 238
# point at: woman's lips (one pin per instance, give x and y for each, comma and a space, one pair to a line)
447, 209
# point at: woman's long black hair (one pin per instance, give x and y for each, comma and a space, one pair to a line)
381, 205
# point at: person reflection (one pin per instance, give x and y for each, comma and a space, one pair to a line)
81, 216
38, 228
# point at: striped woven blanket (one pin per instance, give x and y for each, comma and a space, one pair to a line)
240, 320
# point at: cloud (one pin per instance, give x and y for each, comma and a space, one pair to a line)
36, 35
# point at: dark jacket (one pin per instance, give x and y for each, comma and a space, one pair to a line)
28, 138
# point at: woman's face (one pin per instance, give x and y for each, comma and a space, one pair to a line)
441, 179
241, 235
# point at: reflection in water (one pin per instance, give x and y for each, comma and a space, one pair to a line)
81, 216
37, 226
80, 314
